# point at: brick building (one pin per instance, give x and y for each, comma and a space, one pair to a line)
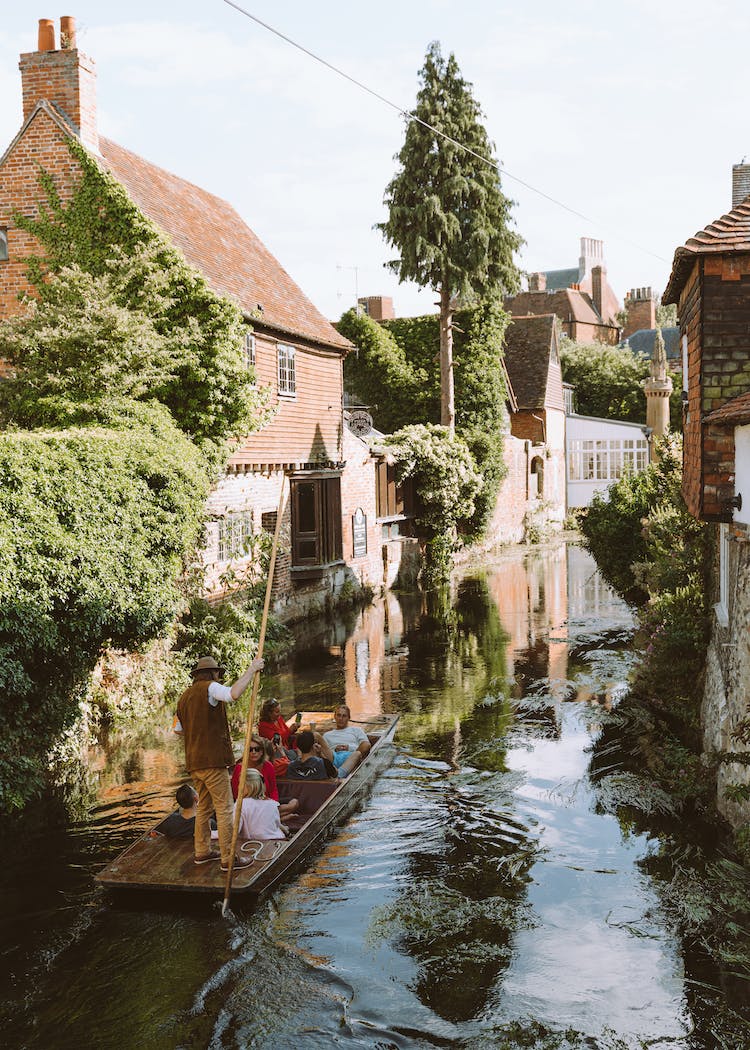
295, 351
710, 283
581, 297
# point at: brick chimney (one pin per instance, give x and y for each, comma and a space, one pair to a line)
640, 308
63, 76
537, 282
740, 183
378, 307
597, 276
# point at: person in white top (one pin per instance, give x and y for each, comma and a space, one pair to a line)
260, 815
348, 743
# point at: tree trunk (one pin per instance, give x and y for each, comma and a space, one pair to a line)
447, 397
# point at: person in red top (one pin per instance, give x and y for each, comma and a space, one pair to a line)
257, 758
271, 724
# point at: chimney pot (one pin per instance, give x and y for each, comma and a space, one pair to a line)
740, 183
46, 35
67, 32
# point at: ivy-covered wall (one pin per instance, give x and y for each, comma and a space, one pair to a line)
126, 380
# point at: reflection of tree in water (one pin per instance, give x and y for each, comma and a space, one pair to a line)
463, 897
456, 671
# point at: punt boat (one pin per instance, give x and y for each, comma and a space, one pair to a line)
157, 864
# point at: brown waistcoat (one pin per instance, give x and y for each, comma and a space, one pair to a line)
205, 730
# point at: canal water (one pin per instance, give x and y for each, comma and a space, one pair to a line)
484, 897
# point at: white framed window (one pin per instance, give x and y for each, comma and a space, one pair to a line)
590, 460
234, 532
248, 350
287, 377
3, 243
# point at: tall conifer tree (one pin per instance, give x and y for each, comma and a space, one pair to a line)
448, 217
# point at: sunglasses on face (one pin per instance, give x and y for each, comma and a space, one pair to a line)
255, 749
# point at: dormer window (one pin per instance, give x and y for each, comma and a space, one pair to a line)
287, 378
248, 350
3, 243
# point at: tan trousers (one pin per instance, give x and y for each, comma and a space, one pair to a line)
214, 793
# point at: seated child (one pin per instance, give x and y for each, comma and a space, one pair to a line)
309, 766
181, 823
260, 815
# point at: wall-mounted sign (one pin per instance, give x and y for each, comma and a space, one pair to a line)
359, 532
360, 422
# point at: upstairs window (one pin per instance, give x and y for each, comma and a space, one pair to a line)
248, 350
287, 378
3, 243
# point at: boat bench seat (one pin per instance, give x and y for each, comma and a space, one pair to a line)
311, 795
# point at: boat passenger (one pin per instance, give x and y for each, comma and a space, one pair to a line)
181, 823
258, 758
202, 720
309, 766
260, 815
348, 743
272, 726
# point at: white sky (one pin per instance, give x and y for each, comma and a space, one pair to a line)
629, 112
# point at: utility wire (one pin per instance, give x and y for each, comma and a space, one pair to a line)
499, 168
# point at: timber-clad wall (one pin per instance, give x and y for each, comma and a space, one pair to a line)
307, 427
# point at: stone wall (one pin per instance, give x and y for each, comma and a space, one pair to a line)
726, 700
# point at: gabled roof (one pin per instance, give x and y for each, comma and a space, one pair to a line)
730, 233
569, 304
215, 240
642, 341
530, 347
736, 411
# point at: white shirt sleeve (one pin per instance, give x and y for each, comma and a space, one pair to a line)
219, 693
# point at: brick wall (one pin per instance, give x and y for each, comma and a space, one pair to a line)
714, 314
358, 490
640, 307
68, 79
507, 522
43, 145
525, 427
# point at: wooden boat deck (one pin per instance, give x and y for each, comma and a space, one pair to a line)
159, 864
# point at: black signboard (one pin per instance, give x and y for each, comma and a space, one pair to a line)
359, 532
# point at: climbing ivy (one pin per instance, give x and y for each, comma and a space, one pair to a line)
396, 371
101, 232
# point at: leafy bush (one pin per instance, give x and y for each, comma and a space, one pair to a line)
446, 479
608, 382
95, 528
396, 371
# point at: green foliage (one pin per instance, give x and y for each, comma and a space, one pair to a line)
666, 316
446, 480
95, 528
379, 375
448, 217
197, 369
396, 372
608, 382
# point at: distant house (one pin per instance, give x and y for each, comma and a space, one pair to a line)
295, 351
710, 283
581, 297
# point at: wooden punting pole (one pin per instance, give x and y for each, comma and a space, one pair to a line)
253, 696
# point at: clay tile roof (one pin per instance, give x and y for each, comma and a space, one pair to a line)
730, 233
568, 303
736, 411
528, 344
215, 240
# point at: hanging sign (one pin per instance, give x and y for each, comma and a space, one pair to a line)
359, 532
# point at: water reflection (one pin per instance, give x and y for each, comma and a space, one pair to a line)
481, 898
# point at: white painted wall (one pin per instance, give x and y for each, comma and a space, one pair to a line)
742, 471
597, 451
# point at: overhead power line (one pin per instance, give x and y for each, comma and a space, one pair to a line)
500, 169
